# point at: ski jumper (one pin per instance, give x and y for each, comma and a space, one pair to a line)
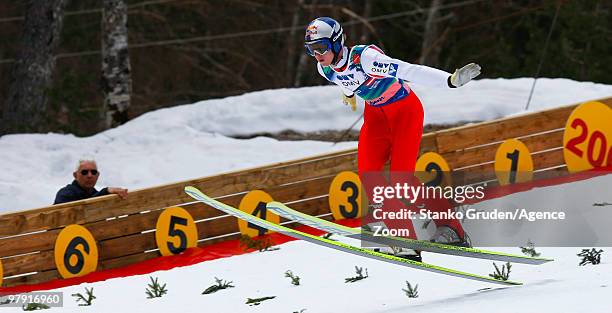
393, 117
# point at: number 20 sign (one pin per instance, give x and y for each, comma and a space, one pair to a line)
587, 140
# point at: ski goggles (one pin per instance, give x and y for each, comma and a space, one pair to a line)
318, 47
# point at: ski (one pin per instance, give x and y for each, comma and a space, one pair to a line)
422, 245
199, 196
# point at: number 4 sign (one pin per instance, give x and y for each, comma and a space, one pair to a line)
587, 140
254, 203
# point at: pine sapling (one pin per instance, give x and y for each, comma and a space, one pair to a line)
257, 301
155, 290
360, 276
34, 307
592, 256
294, 278
261, 244
410, 291
602, 204
504, 274
86, 299
530, 250
220, 284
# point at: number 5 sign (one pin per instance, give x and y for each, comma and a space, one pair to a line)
175, 231
587, 140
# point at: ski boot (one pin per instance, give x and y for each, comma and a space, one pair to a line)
403, 253
448, 236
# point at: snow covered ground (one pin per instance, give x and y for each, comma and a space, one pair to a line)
559, 286
191, 141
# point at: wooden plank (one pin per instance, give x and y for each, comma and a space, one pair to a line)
44, 262
486, 171
101, 230
428, 143
134, 224
303, 190
487, 132
217, 240
313, 207
536, 143
512, 127
127, 260
229, 224
551, 173
127, 245
28, 243
31, 279
100, 208
107, 249
47, 275
17, 223
217, 227
28, 263
545, 174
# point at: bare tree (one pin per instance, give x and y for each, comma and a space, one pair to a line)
32, 74
367, 27
433, 36
291, 43
116, 72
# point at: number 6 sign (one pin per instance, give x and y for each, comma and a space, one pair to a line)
75, 252
587, 140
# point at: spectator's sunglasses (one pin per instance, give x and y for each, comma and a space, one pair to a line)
93, 172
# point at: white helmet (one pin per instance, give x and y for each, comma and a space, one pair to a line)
323, 34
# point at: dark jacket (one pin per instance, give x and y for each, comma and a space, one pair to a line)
74, 192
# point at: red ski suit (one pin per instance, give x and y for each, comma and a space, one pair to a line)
393, 117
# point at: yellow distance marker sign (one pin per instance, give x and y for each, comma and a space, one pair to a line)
432, 170
587, 140
175, 231
254, 203
76, 252
345, 196
1, 273
513, 163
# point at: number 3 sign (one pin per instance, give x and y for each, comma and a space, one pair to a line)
587, 140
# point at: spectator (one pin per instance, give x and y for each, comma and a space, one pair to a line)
85, 177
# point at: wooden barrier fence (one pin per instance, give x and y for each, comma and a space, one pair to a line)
124, 229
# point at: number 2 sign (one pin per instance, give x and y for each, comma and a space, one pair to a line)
587, 140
